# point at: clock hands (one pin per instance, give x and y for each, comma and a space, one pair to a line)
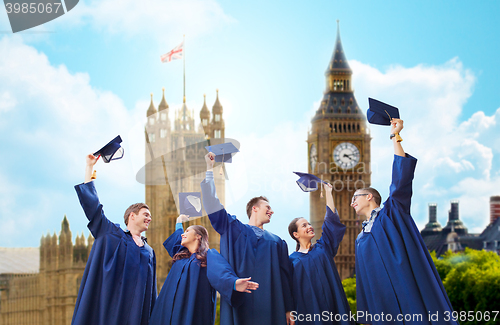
348, 156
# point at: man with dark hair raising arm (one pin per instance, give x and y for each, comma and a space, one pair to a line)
252, 252
119, 283
396, 280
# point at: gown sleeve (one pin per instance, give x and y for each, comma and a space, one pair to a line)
403, 170
173, 243
222, 278
333, 231
219, 218
98, 223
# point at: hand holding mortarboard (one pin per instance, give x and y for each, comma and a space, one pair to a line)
309, 182
382, 114
91, 160
223, 153
190, 204
210, 160
110, 151
182, 218
396, 125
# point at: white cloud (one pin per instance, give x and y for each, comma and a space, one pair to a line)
456, 158
54, 118
163, 20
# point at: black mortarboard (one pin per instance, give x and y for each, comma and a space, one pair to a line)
223, 152
381, 113
190, 204
111, 151
308, 182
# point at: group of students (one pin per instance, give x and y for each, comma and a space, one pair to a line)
258, 281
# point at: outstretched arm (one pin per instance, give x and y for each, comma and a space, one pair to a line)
87, 194
91, 161
219, 218
223, 279
396, 127
329, 196
403, 170
173, 243
333, 229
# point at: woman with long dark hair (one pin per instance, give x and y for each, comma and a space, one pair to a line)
186, 296
318, 292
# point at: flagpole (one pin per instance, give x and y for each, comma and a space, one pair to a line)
184, 65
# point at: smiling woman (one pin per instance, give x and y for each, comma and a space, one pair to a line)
187, 297
316, 282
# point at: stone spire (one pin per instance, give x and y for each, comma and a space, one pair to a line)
163, 104
152, 108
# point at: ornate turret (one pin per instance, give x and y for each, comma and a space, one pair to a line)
217, 108
217, 125
163, 104
151, 109
205, 116
338, 98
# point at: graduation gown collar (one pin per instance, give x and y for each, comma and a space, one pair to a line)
144, 239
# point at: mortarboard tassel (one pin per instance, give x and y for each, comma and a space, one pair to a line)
93, 175
222, 166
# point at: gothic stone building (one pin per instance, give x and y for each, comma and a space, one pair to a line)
339, 152
39, 286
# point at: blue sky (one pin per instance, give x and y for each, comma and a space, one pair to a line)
71, 84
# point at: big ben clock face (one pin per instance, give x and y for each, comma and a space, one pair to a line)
346, 155
313, 156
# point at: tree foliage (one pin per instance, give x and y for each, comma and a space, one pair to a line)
349, 285
472, 281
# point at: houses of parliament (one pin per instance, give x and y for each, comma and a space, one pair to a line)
40, 285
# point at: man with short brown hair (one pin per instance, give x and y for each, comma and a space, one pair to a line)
119, 283
252, 252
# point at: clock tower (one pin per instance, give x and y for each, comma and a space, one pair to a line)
339, 153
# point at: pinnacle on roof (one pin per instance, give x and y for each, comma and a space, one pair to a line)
151, 109
338, 61
65, 225
217, 108
163, 104
204, 113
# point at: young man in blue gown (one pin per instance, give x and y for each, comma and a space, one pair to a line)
119, 283
251, 252
396, 280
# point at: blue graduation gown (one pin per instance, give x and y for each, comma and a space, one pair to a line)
119, 282
265, 259
317, 287
395, 274
186, 296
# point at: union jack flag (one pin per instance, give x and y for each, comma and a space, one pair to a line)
175, 54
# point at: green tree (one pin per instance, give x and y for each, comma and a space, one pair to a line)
472, 281
349, 285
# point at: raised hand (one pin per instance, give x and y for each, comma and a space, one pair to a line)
182, 218
210, 160
91, 160
396, 125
